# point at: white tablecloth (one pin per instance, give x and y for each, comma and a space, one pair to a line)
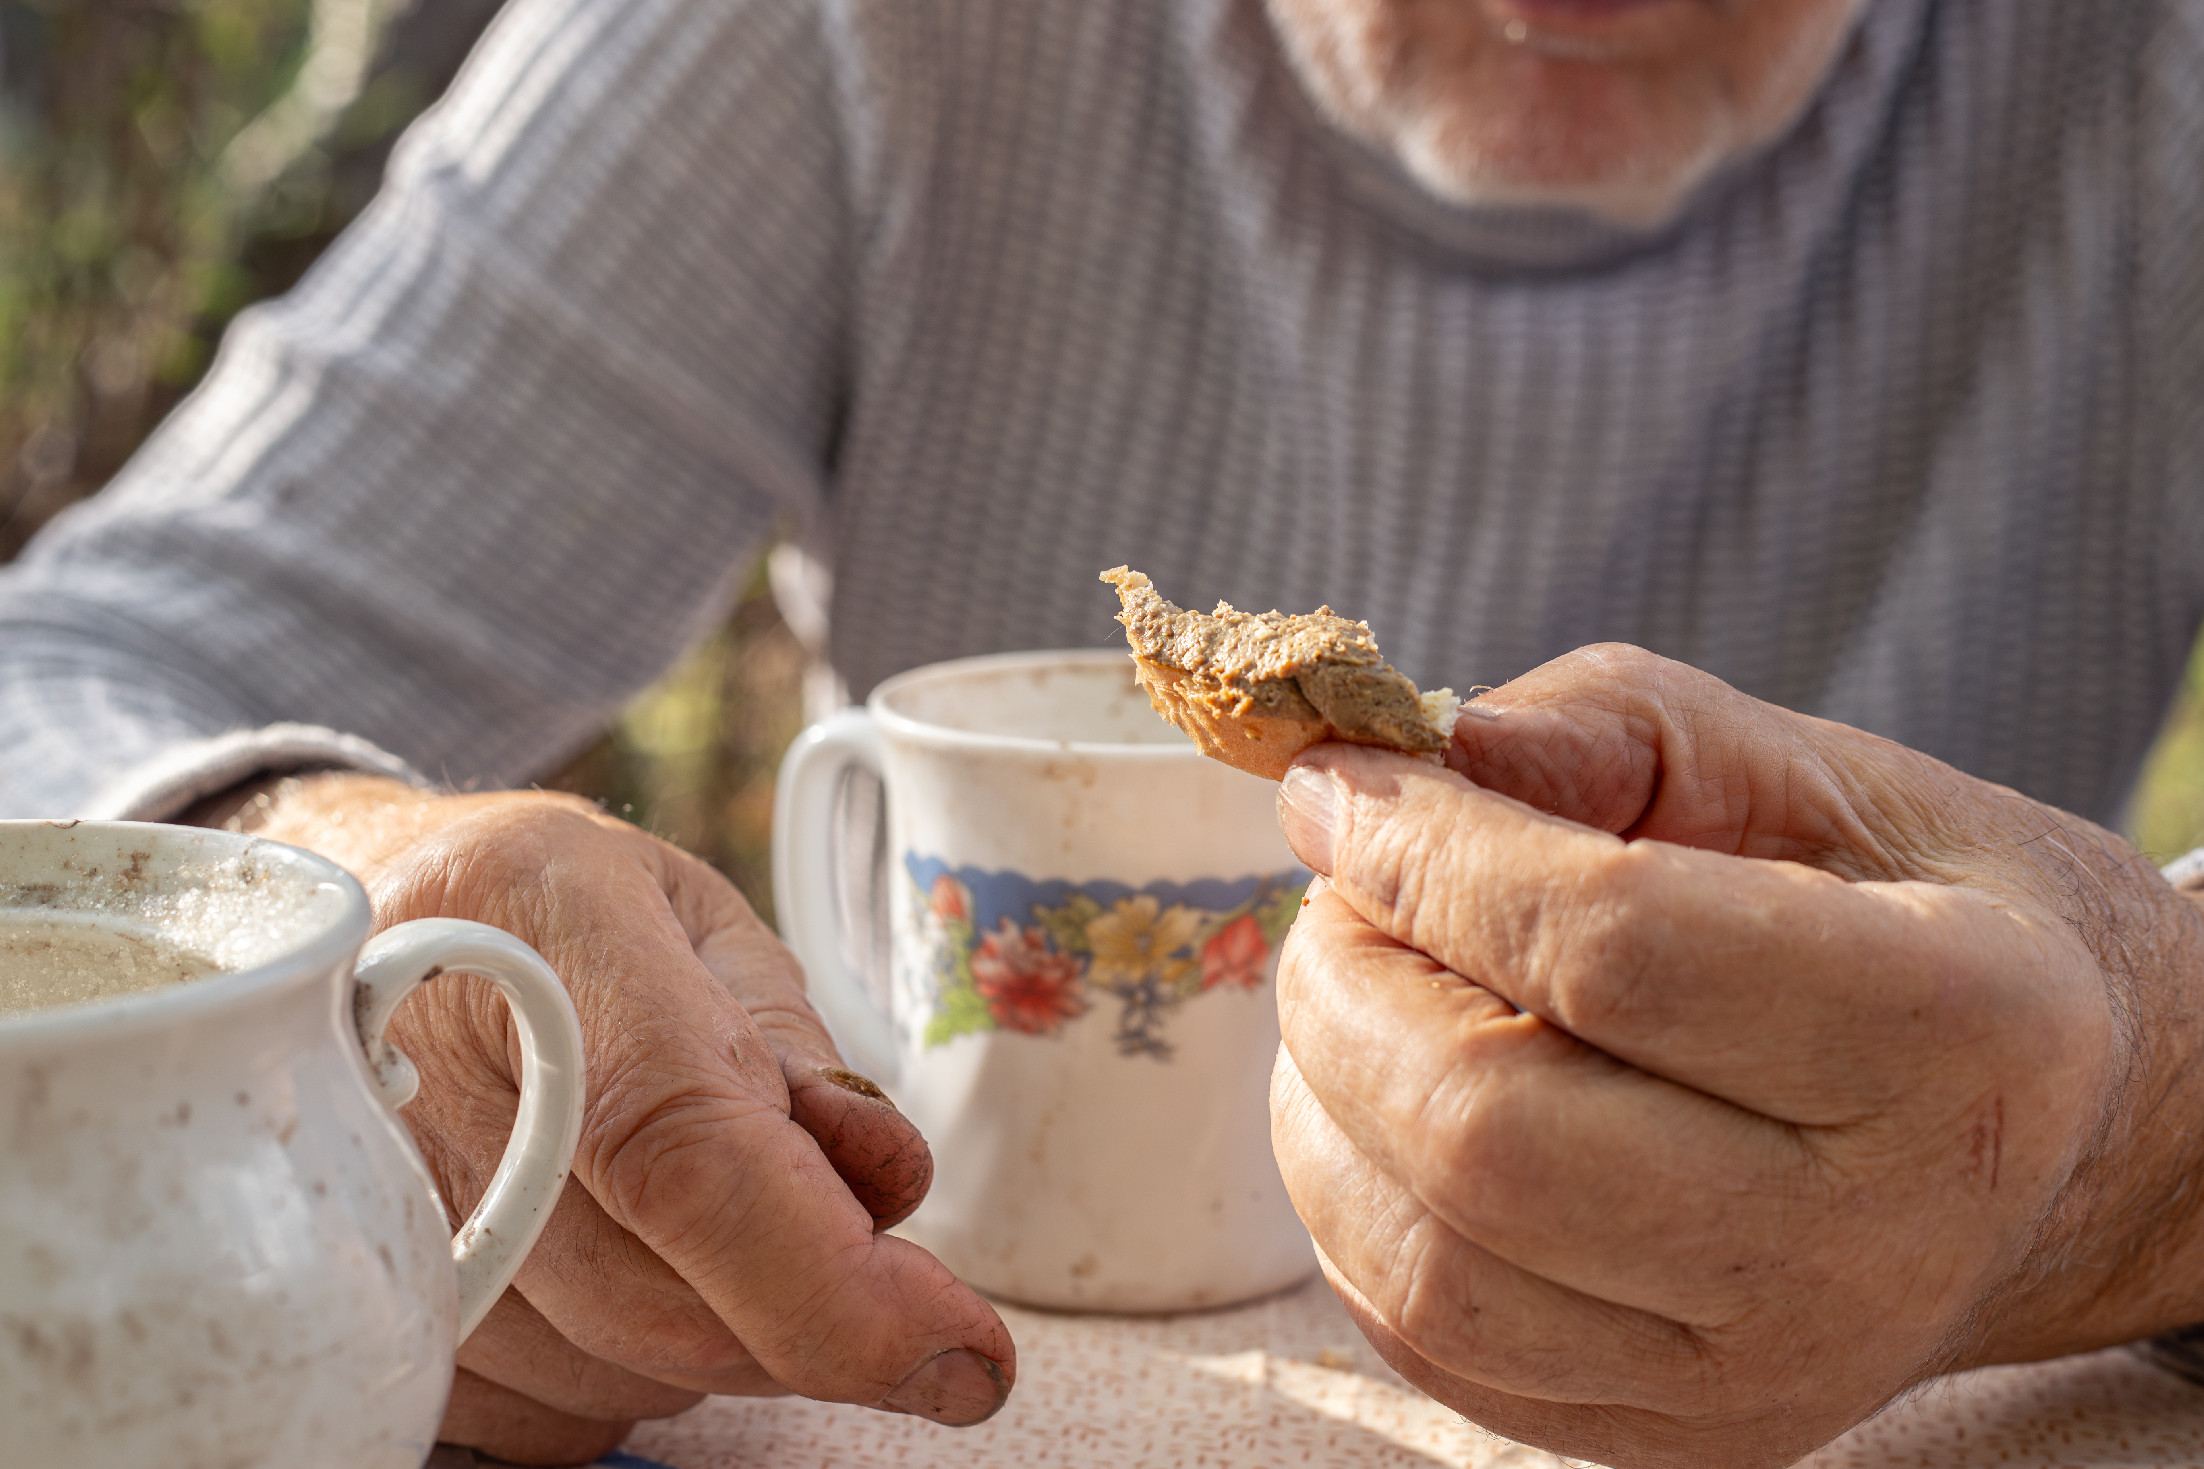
1288, 1381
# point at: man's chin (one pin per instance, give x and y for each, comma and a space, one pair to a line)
1635, 204
1511, 102
1592, 144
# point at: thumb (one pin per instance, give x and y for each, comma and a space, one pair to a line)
1613, 737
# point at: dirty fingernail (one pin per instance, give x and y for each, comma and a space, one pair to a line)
960, 1388
851, 1081
1308, 809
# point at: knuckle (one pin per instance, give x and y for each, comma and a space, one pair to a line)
655, 1147
516, 843
599, 1390
1441, 1315
1598, 951
1621, 662
678, 1344
1410, 877
647, 1325
1436, 1318
783, 1008
1490, 1163
496, 861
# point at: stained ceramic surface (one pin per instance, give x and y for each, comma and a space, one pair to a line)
1082, 1016
218, 1245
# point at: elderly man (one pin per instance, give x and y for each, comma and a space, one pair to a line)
1739, 1068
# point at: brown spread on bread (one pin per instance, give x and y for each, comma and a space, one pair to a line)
1255, 689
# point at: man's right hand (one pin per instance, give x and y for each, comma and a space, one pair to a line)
1677, 1079
721, 1232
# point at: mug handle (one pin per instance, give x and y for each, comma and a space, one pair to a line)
513, 1210
803, 883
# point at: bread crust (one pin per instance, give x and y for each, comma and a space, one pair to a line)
1261, 744
1256, 690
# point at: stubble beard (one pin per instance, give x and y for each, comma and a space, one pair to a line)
1481, 113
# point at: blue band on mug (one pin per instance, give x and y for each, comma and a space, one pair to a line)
1003, 951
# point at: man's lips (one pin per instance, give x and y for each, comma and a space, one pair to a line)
1580, 11
1630, 25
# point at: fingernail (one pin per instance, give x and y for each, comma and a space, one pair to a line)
851, 1081
1308, 810
960, 1388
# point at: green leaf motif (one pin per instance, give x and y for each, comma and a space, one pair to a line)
959, 1008
958, 1011
1275, 914
1067, 923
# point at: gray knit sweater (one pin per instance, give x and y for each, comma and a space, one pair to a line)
1902, 423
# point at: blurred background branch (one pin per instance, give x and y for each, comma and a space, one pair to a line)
165, 163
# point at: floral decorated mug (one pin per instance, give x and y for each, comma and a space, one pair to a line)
1086, 918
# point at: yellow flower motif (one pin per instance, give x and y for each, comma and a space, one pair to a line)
1133, 940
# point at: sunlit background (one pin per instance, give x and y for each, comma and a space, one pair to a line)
164, 163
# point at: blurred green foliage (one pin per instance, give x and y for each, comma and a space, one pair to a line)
116, 238
2166, 817
164, 164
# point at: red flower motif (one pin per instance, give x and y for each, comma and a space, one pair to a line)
1236, 955
948, 899
1029, 987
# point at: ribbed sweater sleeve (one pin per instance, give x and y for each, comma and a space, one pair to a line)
499, 457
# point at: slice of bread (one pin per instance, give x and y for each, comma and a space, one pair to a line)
1256, 689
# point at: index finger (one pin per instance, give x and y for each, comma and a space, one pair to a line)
1773, 985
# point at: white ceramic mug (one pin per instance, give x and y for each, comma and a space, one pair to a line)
1086, 917
217, 1242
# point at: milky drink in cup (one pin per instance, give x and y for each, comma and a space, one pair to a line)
218, 1244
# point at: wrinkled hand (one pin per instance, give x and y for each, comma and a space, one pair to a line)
1676, 1079
721, 1230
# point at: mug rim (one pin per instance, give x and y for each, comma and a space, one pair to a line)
941, 736
333, 943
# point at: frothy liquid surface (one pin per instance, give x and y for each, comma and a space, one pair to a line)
50, 960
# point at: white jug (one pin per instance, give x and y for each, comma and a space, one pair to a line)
218, 1245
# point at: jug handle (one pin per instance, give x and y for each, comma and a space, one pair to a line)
803, 884
497, 1236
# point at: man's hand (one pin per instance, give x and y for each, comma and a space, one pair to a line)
1677, 1079
721, 1230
